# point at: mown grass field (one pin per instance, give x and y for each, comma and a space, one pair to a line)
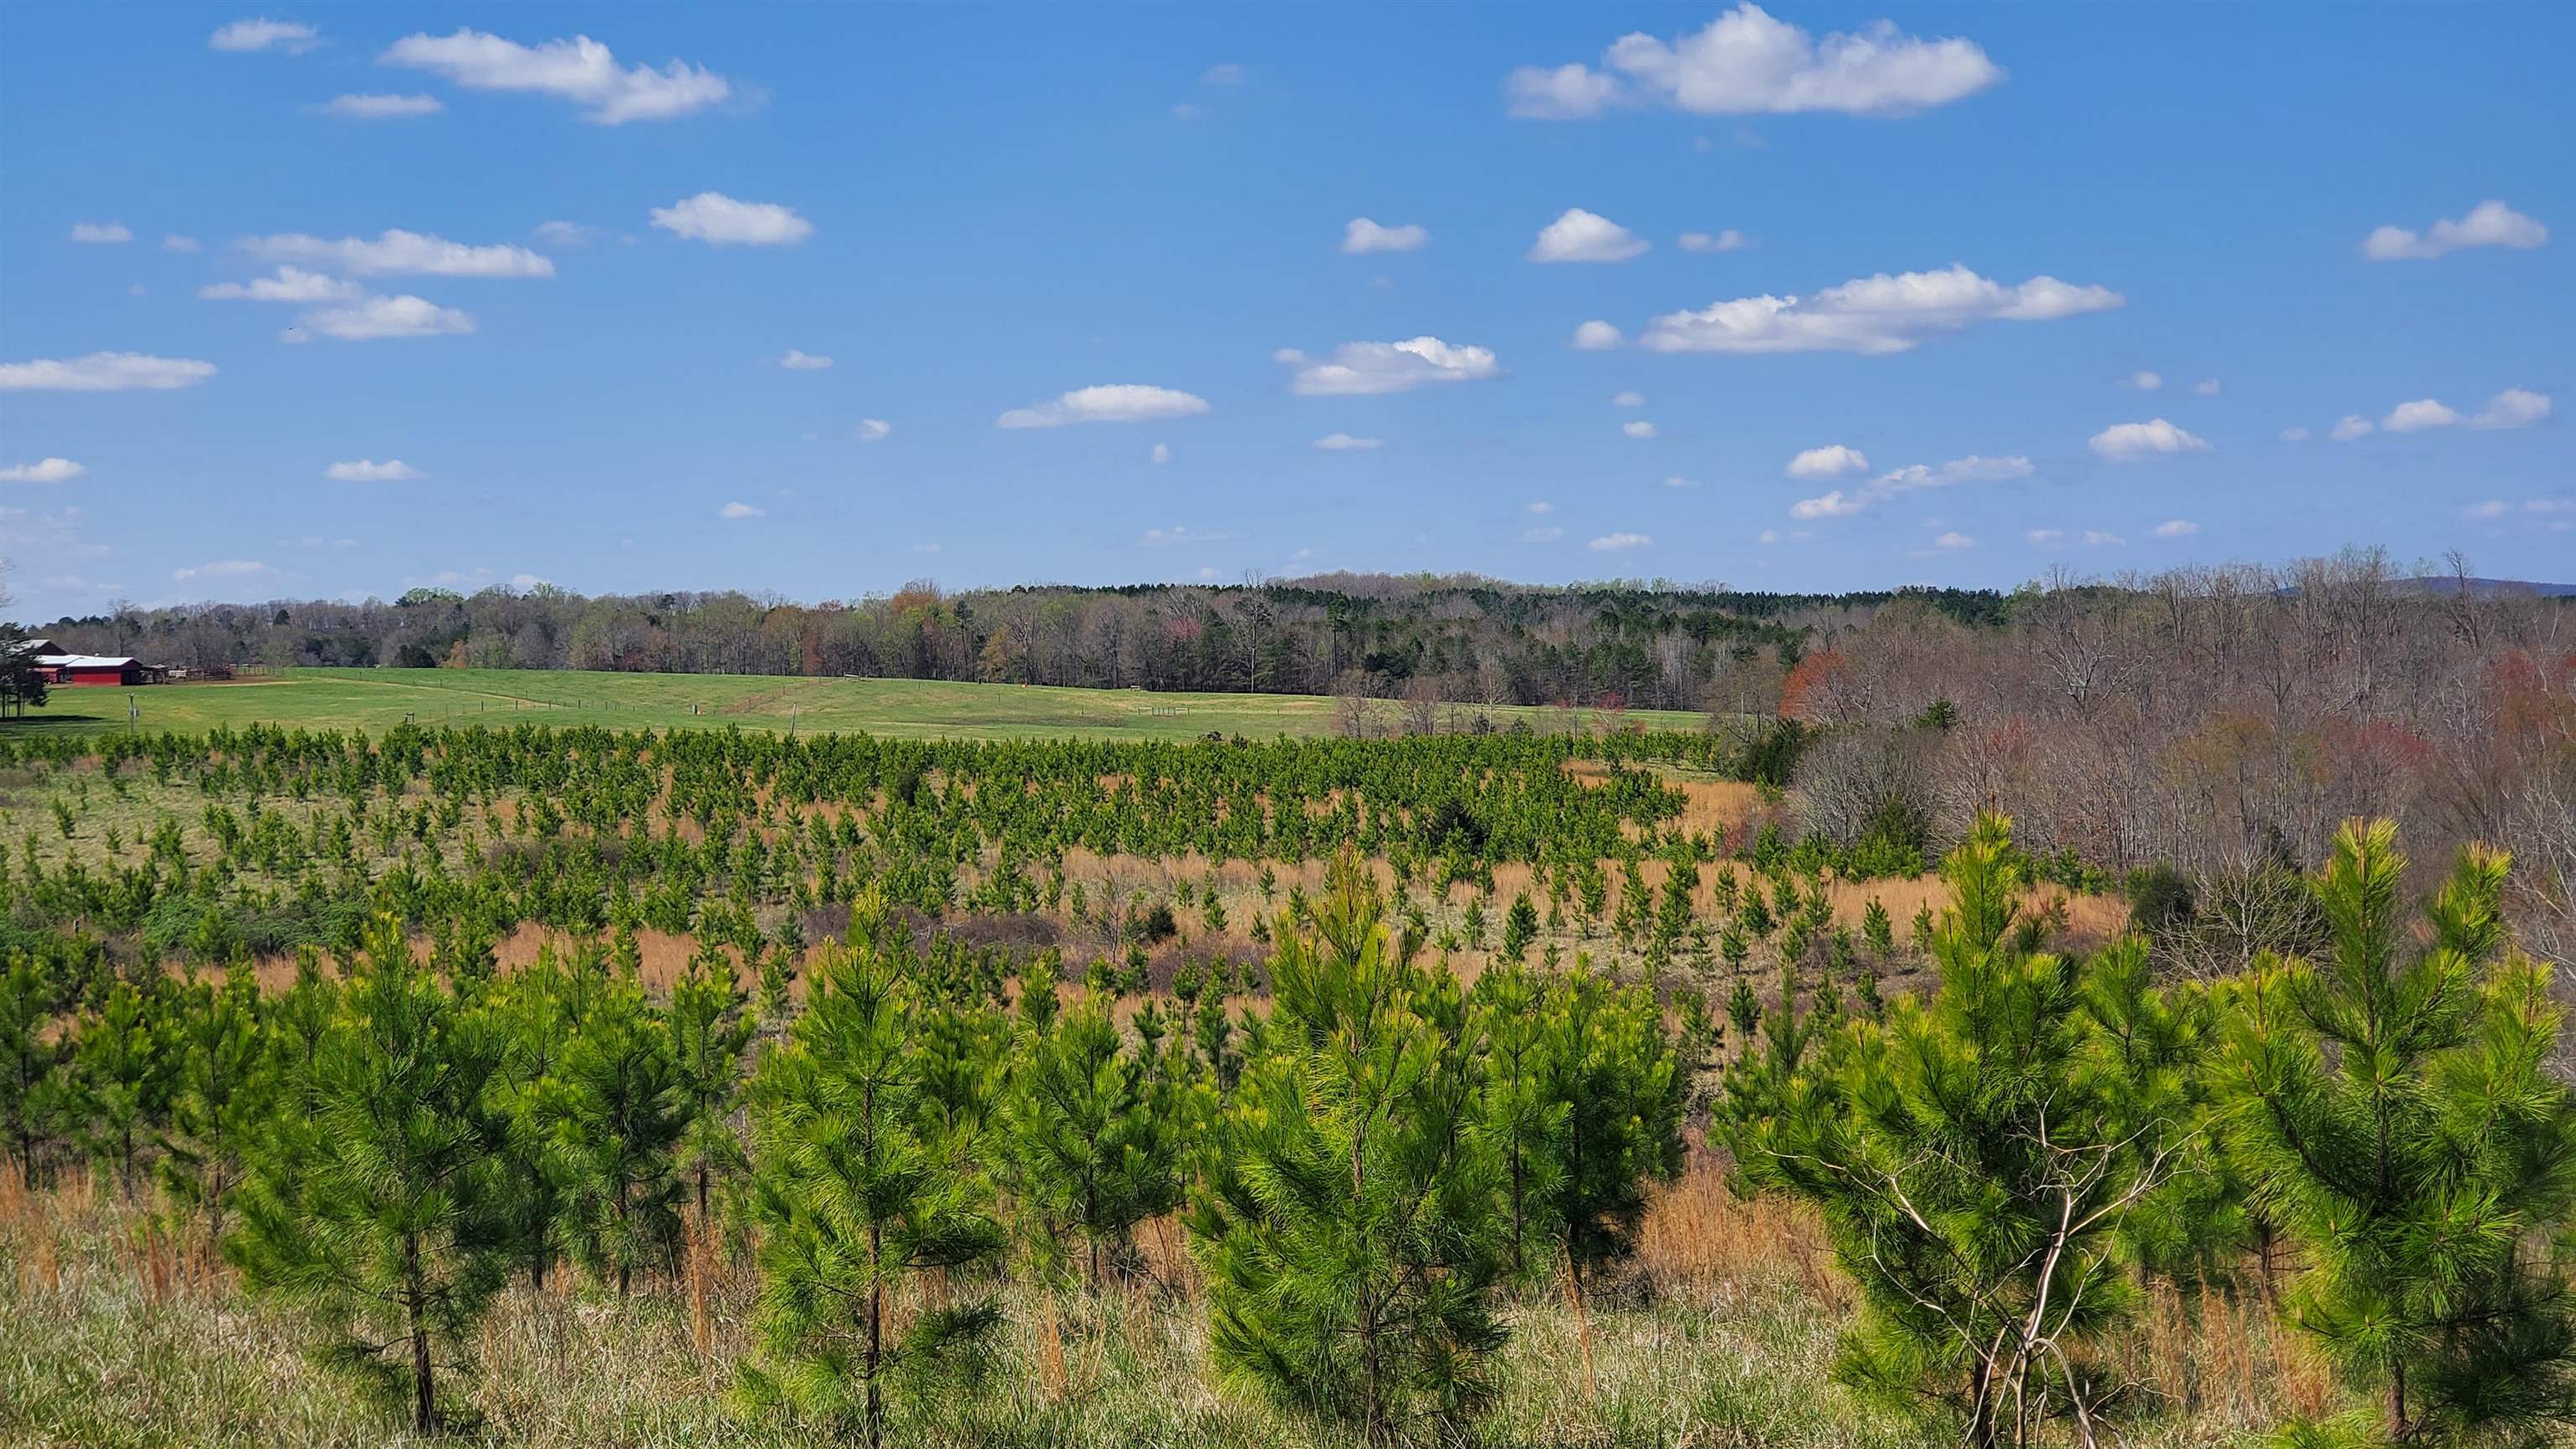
379, 699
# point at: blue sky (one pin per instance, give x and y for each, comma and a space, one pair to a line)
1886, 287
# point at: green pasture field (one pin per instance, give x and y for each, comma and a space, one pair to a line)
379, 699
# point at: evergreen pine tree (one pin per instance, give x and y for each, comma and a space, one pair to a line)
224, 1097
856, 1202
617, 1109
1086, 1136
710, 1026
1979, 1161
123, 1066
382, 1212
35, 1088
2395, 1112
1349, 1226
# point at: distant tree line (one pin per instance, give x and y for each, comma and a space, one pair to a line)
1457, 638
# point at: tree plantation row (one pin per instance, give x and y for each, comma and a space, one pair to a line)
1351, 1064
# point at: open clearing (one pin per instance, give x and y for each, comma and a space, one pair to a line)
379, 699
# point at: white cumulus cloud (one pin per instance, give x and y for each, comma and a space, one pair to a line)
1831, 461
874, 430
1117, 402
2416, 416
1162, 453
1583, 236
2143, 381
43, 470
177, 243
1745, 62
1729, 240
372, 318
2177, 528
1640, 430
580, 70
1954, 541
377, 107
798, 361
1629, 400
719, 220
2351, 426
1877, 314
2206, 387
2488, 224
288, 284
104, 372
1345, 443
396, 252
1913, 478
245, 35
736, 511
1597, 336
1614, 542
368, 470
100, 233
1358, 368
2122, 442
1361, 235
2512, 408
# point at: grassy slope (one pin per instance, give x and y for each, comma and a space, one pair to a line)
378, 699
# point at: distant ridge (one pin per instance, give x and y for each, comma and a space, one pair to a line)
2484, 588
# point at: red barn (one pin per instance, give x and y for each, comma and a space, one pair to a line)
101, 669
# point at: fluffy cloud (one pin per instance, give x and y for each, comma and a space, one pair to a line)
1745, 62
1597, 336
100, 233
2098, 538
2416, 416
719, 220
738, 511
2488, 224
1162, 453
231, 568
1541, 535
1117, 402
1614, 542
564, 233
1729, 240
1911, 479
1363, 235
1582, 236
371, 107
1878, 314
1954, 541
245, 35
796, 361
289, 284
1640, 430
371, 318
580, 70
2351, 426
367, 470
43, 470
1357, 368
1831, 461
1540, 507
104, 372
2512, 408
177, 243
400, 253
1345, 443
2143, 381
1629, 400
2177, 528
2122, 442
2046, 535
874, 430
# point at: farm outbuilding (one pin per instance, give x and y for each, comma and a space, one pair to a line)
71, 670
